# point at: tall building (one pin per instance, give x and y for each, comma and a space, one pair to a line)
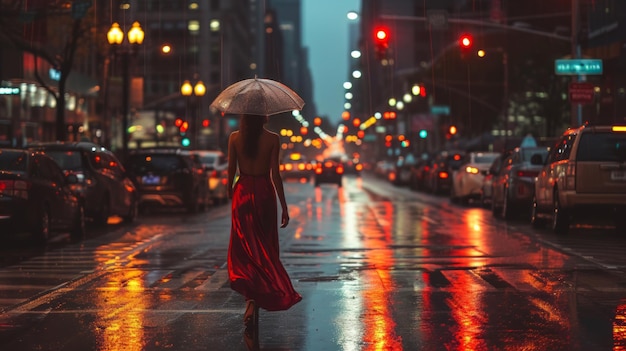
195, 41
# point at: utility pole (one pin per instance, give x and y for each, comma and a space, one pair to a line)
576, 109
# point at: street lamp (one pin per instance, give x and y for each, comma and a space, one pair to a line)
198, 90
115, 37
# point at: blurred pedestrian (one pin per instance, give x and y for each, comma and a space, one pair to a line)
254, 266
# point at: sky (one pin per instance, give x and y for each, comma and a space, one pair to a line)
325, 33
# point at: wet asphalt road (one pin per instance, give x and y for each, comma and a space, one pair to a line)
379, 267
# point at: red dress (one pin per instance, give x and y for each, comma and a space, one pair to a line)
254, 266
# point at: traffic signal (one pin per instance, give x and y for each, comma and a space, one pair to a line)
423, 134
185, 141
381, 42
452, 130
466, 42
184, 127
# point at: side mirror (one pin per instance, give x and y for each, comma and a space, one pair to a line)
536, 159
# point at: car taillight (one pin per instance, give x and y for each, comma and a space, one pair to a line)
339, 170
301, 166
318, 170
214, 174
359, 167
570, 176
15, 188
281, 168
443, 175
529, 174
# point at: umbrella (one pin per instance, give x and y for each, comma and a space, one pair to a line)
263, 97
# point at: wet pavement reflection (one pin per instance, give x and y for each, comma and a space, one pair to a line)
379, 268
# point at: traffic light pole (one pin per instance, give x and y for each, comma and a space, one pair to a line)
481, 23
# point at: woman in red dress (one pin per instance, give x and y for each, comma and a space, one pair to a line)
254, 266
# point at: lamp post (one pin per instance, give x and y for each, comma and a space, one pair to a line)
115, 37
198, 90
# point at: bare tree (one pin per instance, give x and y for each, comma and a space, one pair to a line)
51, 31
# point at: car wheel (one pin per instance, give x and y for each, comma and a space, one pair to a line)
132, 212
78, 230
507, 211
102, 217
495, 210
453, 198
535, 221
41, 227
560, 219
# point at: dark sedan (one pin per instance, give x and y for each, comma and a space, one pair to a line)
513, 186
329, 171
102, 180
169, 178
36, 197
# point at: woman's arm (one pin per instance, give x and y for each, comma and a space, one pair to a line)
232, 163
278, 181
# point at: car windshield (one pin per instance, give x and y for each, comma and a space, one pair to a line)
602, 147
526, 154
67, 160
140, 164
488, 159
207, 159
13, 161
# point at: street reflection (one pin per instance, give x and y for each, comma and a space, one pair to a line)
378, 322
619, 327
120, 304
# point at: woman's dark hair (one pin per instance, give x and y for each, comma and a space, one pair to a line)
251, 130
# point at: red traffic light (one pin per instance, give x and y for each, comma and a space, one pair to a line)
184, 126
466, 41
381, 35
381, 42
178, 122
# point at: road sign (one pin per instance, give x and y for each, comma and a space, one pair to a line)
440, 110
578, 67
581, 93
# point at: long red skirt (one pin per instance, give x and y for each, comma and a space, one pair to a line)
254, 266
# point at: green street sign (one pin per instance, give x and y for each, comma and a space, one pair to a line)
578, 67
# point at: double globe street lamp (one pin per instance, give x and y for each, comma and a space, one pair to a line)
194, 93
115, 37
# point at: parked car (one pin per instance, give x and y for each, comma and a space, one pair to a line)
486, 186
36, 197
513, 186
168, 177
400, 173
438, 180
215, 165
419, 171
103, 184
583, 178
467, 181
296, 166
382, 168
353, 166
329, 170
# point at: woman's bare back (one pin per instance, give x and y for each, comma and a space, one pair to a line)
262, 163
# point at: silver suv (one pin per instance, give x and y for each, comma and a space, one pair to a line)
584, 178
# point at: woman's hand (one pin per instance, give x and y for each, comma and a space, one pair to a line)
285, 219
